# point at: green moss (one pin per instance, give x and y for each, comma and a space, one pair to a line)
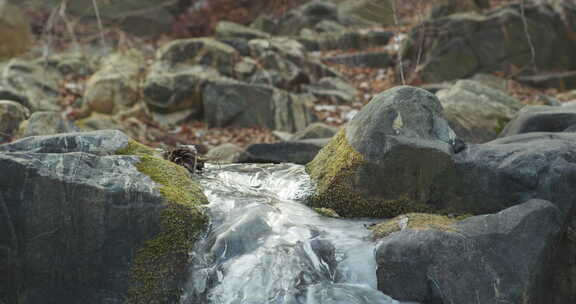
334, 169
161, 262
416, 221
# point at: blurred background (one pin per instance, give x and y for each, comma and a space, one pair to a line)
273, 80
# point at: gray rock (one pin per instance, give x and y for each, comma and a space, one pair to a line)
541, 119
226, 153
462, 45
477, 113
276, 70
332, 89
138, 17
343, 40
199, 51
376, 60
245, 105
226, 29
115, 86
12, 114
74, 218
304, 16
495, 258
499, 174
48, 123
169, 91
400, 139
314, 131
105, 142
38, 83
298, 152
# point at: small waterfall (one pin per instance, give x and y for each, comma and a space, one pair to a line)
265, 247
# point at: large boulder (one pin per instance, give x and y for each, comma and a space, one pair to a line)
229, 103
386, 160
461, 45
541, 119
12, 114
494, 258
398, 155
476, 112
94, 218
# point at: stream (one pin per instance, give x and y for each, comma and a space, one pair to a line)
264, 246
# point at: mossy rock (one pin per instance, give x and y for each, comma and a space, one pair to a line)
334, 169
415, 221
161, 263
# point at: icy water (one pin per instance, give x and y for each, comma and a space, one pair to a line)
265, 246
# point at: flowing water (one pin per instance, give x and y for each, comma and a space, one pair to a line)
265, 246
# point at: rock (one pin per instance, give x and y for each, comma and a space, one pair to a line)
307, 15
48, 123
115, 86
71, 64
199, 51
477, 113
375, 60
11, 115
282, 45
226, 153
228, 103
298, 152
314, 131
462, 45
137, 17
333, 89
226, 29
39, 84
325, 26
495, 258
98, 121
365, 12
559, 80
541, 119
442, 8
400, 139
177, 90
386, 141
489, 80
275, 70
344, 40
84, 220
15, 29
499, 174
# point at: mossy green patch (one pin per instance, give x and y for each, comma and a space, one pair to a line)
334, 170
160, 264
415, 221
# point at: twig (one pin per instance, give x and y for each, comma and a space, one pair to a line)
527, 33
395, 14
100, 27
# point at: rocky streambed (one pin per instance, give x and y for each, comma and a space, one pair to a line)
94, 217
